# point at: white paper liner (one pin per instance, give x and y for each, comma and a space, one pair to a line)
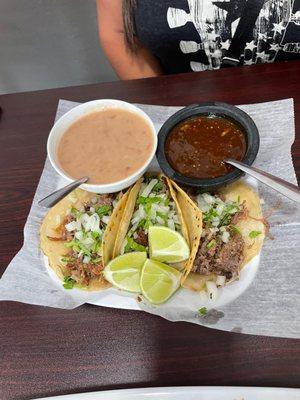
270, 306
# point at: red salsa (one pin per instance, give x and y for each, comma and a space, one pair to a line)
197, 146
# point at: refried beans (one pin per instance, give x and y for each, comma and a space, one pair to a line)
107, 146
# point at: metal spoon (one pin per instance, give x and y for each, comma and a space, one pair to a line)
59, 194
287, 189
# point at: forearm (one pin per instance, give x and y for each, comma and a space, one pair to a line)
130, 65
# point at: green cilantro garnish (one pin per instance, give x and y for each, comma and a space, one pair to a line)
95, 235
77, 246
68, 282
211, 244
202, 311
234, 229
148, 200
76, 213
254, 234
67, 259
132, 245
157, 187
103, 210
162, 216
95, 260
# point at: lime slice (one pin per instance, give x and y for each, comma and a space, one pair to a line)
167, 245
124, 271
159, 281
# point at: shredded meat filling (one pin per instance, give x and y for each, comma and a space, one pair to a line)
82, 272
142, 237
220, 258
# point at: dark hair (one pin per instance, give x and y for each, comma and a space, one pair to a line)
128, 8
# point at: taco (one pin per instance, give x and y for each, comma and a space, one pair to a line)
232, 233
151, 202
78, 235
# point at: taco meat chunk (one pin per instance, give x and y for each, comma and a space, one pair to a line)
220, 258
221, 249
82, 272
141, 237
102, 200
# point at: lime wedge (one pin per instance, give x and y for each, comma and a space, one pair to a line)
159, 281
167, 245
124, 271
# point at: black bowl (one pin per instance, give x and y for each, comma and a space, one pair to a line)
228, 111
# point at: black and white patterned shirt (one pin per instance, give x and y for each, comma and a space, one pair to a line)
194, 35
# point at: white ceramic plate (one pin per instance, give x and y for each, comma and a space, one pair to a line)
115, 298
190, 393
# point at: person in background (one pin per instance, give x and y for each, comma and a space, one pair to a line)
146, 38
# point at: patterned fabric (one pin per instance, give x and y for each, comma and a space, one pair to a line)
194, 35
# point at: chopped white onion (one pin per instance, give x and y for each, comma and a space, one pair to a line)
220, 208
105, 219
135, 235
86, 259
215, 221
88, 242
79, 235
71, 226
91, 223
212, 290
220, 281
163, 209
122, 250
225, 237
134, 227
160, 220
209, 198
153, 213
92, 209
171, 224
149, 187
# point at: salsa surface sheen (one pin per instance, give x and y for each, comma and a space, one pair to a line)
197, 146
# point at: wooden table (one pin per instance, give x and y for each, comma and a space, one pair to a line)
45, 351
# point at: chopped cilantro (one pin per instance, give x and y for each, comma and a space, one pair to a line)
68, 282
77, 246
148, 200
162, 216
157, 187
142, 223
235, 230
95, 260
132, 245
103, 210
67, 259
95, 235
76, 213
254, 234
202, 311
211, 244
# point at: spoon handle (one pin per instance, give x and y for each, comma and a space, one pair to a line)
59, 194
286, 188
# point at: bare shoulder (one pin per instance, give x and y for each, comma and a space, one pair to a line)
110, 6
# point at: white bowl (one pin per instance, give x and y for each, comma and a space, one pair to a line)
73, 115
